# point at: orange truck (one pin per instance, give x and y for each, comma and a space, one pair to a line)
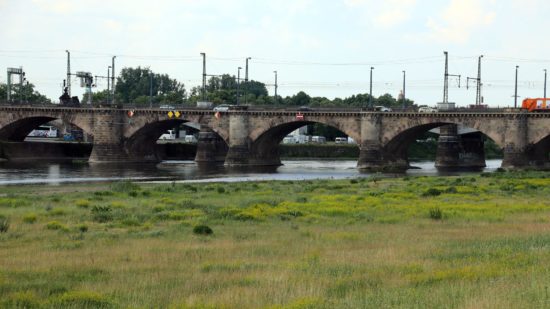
536, 105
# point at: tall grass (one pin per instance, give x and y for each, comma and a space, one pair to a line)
314, 244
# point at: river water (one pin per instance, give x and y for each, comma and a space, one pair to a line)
12, 173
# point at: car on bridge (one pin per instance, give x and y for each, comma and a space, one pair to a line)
426, 109
222, 108
382, 109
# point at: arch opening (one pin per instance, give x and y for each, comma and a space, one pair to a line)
266, 150
449, 145
166, 140
539, 153
44, 138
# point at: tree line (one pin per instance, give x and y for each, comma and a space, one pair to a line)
141, 86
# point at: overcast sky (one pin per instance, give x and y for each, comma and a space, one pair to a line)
324, 47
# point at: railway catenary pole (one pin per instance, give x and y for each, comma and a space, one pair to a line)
113, 80
203, 76
446, 79
68, 72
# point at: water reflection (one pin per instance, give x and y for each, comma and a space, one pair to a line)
56, 173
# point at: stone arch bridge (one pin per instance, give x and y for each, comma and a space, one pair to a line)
242, 137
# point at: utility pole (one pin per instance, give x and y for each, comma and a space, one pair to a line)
68, 72
369, 103
203, 76
109, 85
275, 86
446, 79
113, 79
516, 89
246, 81
545, 83
150, 89
478, 82
238, 84
404, 79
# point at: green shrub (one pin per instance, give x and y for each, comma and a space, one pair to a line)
436, 213
81, 299
20, 300
431, 192
30, 218
54, 225
83, 203
4, 224
221, 190
202, 230
451, 190
133, 193
353, 181
82, 228
102, 214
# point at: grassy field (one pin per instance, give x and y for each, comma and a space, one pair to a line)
414, 242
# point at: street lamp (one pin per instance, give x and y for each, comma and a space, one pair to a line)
370, 88
150, 89
109, 84
404, 78
275, 86
238, 83
246, 81
516, 89
545, 83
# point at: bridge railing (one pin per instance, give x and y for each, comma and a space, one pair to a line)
163, 106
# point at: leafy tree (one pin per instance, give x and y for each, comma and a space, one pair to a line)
26, 94
133, 86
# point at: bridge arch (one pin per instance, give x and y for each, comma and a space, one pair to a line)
140, 144
18, 130
396, 140
393, 134
264, 144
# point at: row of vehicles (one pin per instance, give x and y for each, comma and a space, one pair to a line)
308, 139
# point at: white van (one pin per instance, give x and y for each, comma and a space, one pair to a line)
341, 140
318, 139
190, 139
170, 134
44, 131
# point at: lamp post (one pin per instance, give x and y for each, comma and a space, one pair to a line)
516, 89
545, 83
246, 81
109, 85
150, 89
369, 104
404, 79
238, 84
113, 79
275, 86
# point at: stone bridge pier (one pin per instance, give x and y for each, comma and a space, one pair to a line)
211, 148
238, 153
516, 150
108, 143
